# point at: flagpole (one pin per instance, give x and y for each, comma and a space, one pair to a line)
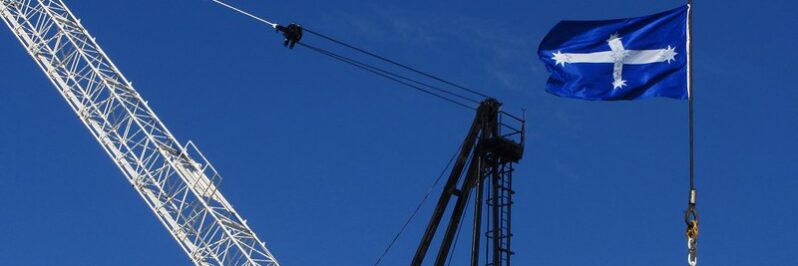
690, 95
691, 215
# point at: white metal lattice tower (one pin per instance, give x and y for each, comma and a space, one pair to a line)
176, 181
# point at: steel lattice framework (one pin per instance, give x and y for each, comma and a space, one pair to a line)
176, 181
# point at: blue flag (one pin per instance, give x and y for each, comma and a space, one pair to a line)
621, 59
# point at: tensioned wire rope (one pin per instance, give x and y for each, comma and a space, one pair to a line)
435, 91
393, 76
396, 63
418, 208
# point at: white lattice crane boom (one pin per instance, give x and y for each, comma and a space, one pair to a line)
176, 181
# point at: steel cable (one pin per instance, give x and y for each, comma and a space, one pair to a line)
404, 80
396, 63
418, 207
393, 76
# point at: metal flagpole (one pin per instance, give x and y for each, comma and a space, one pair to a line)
691, 215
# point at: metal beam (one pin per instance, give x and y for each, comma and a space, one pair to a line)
174, 180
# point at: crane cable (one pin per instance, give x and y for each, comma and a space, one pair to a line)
293, 34
397, 63
393, 76
418, 207
274, 25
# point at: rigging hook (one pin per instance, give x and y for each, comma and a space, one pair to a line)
691, 219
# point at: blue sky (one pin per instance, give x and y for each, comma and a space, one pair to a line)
326, 161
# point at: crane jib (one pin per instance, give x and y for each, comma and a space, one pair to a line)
175, 181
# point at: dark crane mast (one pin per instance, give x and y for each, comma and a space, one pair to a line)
484, 164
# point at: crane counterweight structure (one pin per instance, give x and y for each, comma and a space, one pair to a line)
176, 181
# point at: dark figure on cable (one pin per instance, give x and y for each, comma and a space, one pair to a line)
292, 34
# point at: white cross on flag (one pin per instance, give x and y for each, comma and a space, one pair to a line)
620, 59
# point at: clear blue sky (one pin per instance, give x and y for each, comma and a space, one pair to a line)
326, 161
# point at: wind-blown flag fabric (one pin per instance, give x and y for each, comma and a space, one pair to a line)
621, 59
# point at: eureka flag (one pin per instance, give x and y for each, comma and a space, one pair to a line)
621, 59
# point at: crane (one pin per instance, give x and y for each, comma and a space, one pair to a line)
484, 162
176, 181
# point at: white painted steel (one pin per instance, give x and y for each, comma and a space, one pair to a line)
176, 182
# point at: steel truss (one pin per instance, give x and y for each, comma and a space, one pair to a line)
176, 181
